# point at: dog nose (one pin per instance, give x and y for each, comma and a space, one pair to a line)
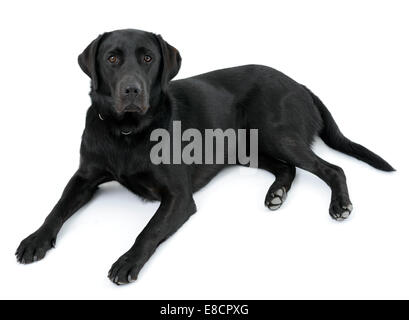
131, 91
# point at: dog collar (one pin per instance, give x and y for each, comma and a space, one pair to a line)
125, 133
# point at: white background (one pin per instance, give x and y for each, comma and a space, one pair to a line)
352, 54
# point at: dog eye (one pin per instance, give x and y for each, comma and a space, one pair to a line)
113, 59
147, 58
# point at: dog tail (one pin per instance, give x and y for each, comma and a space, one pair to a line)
334, 138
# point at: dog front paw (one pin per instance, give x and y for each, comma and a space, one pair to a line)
125, 270
35, 247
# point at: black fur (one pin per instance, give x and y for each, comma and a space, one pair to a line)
132, 94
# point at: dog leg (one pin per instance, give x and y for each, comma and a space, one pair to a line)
173, 212
297, 153
78, 192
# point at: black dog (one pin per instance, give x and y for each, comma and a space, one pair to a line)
131, 95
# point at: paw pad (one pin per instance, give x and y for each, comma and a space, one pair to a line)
275, 199
341, 213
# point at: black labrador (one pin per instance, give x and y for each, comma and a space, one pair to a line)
132, 94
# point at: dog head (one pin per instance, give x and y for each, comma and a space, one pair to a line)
129, 71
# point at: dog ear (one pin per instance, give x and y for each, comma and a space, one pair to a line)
87, 61
171, 61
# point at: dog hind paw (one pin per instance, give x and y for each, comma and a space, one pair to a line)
274, 199
340, 211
